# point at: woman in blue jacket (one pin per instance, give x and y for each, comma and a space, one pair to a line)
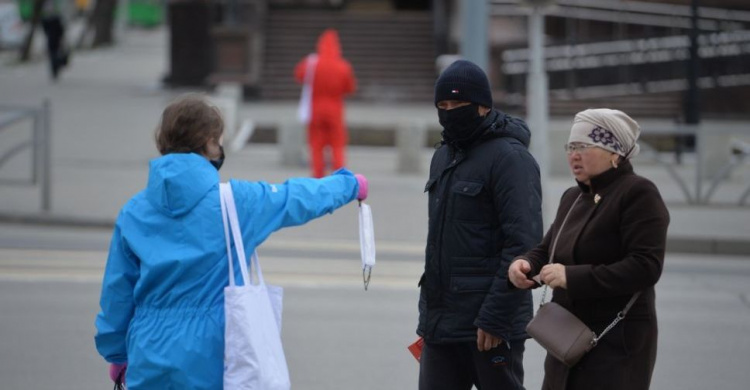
162, 300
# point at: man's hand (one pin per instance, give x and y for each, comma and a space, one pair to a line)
517, 273
554, 275
486, 341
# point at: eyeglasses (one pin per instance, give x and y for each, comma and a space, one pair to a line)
580, 148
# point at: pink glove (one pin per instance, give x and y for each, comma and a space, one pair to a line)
362, 181
117, 372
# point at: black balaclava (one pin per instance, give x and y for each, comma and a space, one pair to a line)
216, 163
461, 126
219, 161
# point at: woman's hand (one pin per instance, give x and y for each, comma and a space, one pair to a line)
517, 274
363, 187
554, 275
117, 372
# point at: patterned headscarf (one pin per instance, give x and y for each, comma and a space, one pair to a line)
608, 129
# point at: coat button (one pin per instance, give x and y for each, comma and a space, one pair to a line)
466, 189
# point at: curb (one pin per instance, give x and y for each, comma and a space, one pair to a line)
43, 219
705, 245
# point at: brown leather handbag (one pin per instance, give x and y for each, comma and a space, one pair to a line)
559, 331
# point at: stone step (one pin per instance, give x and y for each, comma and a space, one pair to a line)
392, 53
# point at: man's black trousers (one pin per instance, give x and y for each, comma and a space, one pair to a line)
458, 366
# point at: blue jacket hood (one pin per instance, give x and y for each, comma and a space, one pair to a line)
177, 182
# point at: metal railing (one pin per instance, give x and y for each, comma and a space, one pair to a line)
695, 194
739, 155
39, 143
633, 12
632, 66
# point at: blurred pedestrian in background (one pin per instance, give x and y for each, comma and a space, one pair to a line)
610, 247
326, 78
53, 25
162, 302
484, 210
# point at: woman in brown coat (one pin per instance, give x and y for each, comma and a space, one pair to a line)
610, 247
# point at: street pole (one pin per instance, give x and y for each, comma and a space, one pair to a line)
231, 13
440, 27
691, 107
537, 111
474, 22
692, 104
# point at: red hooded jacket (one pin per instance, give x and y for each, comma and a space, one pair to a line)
333, 80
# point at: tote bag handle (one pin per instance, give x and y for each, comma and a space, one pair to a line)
231, 222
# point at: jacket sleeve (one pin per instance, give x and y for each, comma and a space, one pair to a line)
643, 233
116, 302
264, 208
518, 202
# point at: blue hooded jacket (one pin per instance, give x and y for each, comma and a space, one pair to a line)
162, 300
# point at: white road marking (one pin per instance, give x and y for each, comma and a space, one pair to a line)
86, 267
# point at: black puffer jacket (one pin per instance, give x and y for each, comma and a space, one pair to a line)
484, 210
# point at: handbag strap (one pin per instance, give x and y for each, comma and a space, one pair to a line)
618, 318
231, 222
621, 314
554, 244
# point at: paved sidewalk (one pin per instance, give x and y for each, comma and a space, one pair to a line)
105, 108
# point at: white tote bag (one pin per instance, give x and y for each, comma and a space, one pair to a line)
304, 110
253, 355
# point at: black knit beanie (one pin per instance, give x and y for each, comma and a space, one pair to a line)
464, 81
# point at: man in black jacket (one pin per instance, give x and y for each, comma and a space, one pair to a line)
484, 210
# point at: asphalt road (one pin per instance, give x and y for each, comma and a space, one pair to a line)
336, 335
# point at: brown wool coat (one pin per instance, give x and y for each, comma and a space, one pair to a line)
611, 248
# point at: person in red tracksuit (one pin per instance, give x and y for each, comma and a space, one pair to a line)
333, 79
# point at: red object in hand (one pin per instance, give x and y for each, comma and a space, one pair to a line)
416, 348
